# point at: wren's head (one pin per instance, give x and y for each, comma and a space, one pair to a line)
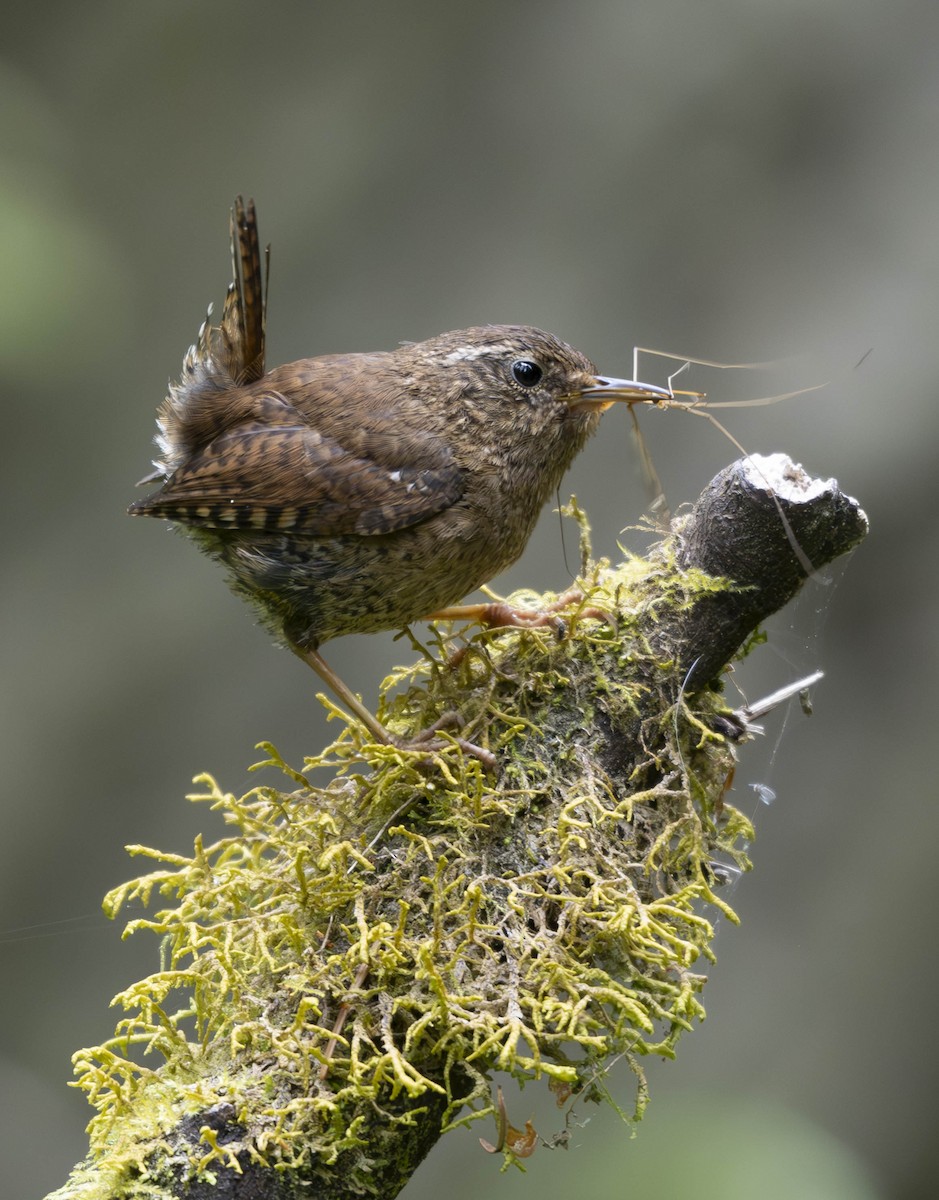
509, 372
513, 395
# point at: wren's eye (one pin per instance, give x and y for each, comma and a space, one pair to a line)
526, 372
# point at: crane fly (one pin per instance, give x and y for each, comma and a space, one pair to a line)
698, 404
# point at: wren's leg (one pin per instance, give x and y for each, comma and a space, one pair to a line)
423, 741
499, 615
314, 659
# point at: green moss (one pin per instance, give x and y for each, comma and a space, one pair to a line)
393, 927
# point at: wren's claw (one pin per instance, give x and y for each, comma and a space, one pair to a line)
449, 720
500, 615
422, 742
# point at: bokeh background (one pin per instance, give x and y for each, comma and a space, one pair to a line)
734, 179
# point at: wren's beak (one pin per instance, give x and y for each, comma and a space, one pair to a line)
603, 391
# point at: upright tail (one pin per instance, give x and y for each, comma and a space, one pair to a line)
244, 317
224, 356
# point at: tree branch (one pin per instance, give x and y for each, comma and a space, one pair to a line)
347, 969
760, 522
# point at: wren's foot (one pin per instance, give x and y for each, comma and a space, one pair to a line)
499, 615
449, 720
424, 741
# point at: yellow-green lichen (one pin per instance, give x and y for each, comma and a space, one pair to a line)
397, 930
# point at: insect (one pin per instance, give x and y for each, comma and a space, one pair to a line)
698, 404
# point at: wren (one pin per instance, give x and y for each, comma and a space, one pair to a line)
351, 493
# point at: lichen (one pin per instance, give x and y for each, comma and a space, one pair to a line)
393, 926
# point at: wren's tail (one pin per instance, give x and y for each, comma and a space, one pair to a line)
244, 317
224, 356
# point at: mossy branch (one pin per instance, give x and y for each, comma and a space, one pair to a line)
343, 974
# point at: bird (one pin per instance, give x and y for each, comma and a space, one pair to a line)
354, 493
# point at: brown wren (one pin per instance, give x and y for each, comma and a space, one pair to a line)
351, 493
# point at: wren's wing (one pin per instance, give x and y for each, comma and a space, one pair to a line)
294, 478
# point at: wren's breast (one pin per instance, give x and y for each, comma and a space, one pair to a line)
504, 499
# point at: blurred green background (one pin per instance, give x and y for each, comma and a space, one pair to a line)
738, 179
